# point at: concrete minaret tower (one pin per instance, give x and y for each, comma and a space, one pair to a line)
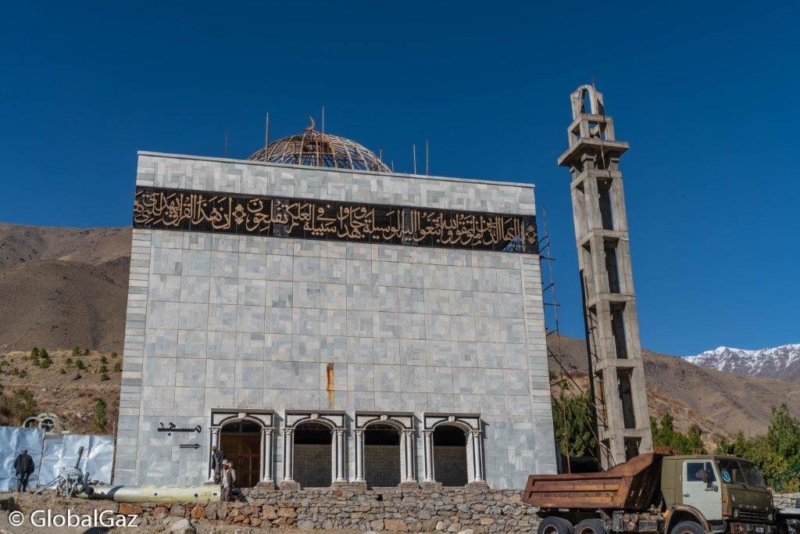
604, 259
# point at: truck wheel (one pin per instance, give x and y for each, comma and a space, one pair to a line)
590, 526
687, 527
555, 525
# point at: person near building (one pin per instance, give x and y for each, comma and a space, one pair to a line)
24, 467
228, 480
216, 463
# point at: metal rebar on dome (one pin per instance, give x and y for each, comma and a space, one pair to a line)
318, 149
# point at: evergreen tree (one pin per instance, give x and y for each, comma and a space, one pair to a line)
100, 418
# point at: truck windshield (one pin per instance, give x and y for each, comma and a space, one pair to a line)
740, 472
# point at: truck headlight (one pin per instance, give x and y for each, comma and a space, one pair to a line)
735, 514
770, 518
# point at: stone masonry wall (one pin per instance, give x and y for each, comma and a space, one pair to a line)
785, 500
447, 510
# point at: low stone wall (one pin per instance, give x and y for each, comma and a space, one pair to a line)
380, 510
785, 500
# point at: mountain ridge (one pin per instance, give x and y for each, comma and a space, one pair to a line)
782, 362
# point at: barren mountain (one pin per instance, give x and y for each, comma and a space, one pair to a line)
65, 287
722, 403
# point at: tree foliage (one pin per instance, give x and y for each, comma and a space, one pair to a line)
100, 417
777, 454
665, 435
573, 418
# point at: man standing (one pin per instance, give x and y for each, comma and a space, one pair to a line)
216, 463
228, 480
24, 467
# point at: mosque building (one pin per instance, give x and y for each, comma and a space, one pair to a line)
324, 320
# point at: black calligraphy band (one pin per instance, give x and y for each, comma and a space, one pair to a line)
205, 211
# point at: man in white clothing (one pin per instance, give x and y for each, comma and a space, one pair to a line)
228, 480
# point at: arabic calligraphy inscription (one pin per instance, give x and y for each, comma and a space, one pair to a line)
168, 209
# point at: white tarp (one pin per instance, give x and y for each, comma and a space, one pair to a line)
12, 441
98, 455
51, 459
52, 453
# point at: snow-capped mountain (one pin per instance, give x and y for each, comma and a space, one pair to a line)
779, 362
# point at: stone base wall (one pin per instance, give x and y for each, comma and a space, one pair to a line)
448, 510
785, 500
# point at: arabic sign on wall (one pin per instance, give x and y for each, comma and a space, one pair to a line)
172, 209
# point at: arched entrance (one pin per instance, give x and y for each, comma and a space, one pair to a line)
313, 452
240, 442
450, 455
381, 455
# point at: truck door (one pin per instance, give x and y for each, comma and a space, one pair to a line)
701, 488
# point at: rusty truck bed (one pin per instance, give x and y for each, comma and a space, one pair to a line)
628, 486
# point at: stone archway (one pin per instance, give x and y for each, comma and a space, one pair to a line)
320, 433
453, 449
245, 438
384, 449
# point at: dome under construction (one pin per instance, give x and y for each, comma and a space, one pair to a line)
317, 149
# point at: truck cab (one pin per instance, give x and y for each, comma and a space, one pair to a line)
728, 491
649, 493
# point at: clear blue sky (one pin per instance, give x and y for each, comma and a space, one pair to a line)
706, 96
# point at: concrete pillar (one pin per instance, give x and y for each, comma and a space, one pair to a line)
407, 456
214, 443
477, 456
338, 468
359, 446
288, 454
266, 455
428, 446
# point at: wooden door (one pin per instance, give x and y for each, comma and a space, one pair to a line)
244, 450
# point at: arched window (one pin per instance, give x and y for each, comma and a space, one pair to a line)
313, 447
381, 455
450, 455
453, 449
384, 449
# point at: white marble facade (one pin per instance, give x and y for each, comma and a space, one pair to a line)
253, 323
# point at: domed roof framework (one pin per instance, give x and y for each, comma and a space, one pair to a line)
318, 149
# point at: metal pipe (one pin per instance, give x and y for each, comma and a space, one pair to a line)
202, 494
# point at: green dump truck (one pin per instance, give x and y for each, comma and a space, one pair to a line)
661, 494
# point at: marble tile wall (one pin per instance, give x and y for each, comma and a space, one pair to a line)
226, 321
